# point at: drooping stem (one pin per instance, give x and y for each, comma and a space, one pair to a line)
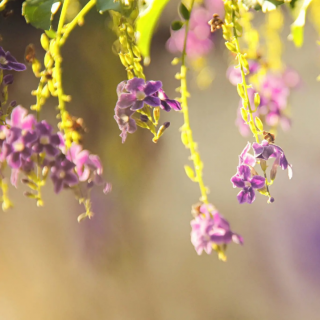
78, 18
187, 136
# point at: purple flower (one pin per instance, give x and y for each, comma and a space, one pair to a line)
139, 93
247, 158
62, 174
199, 41
234, 74
80, 158
265, 150
210, 228
242, 179
125, 122
166, 103
21, 119
8, 62
17, 146
46, 142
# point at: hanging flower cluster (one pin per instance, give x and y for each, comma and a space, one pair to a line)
274, 91
135, 95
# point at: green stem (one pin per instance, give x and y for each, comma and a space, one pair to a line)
243, 76
195, 156
69, 27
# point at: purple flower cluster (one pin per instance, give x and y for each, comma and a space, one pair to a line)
200, 40
8, 62
274, 90
247, 178
209, 228
26, 143
133, 95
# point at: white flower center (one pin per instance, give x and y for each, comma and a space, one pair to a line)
3, 60
19, 146
247, 184
44, 140
140, 95
125, 118
62, 174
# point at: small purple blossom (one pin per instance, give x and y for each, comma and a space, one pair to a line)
62, 174
8, 62
46, 142
21, 119
80, 158
139, 93
125, 122
17, 146
242, 179
265, 150
166, 103
247, 158
210, 228
7, 79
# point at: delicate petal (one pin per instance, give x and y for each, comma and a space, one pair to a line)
237, 182
137, 105
126, 100
244, 172
251, 195
71, 179
165, 106
242, 196
18, 113
174, 104
257, 148
135, 84
152, 87
152, 101
257, 182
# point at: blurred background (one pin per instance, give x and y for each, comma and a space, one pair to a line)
134, 259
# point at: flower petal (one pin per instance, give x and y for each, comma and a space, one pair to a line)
237, 181
242, 196
175, 105
152, 87
137, 105
257, 182
135, 84
152, 101
244, 172
126, 100
251, 195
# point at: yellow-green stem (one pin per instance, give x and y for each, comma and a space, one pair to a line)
69, 27
186, 127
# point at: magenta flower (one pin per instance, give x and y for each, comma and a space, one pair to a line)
21, 119
138, 94
242, 179
8, 62
80, 158
210, 228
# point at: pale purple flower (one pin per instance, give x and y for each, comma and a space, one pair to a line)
62, 174
199, 41
125, 122
138, 94
8, 62
242, 179
210, 228
80, 158
46, 142
21, 119
247, 158
265, 150
234, 74
17, 146
166, 103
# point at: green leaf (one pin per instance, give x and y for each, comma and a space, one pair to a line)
185, 13
176, 25
50, 33
38, 12
104, 5
146, 24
